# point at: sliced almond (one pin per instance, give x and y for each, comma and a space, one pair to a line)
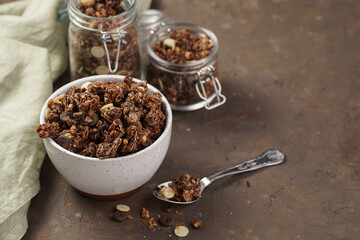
47, 113
122, 208
97, 51
85, 85
95, 119
181, 231
167, 192
161, 84
58, 98
170, 42
102, 70
103, 108
88, 2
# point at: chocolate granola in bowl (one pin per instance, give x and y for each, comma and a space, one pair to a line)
105, 119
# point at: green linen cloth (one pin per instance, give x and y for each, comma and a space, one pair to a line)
32, 55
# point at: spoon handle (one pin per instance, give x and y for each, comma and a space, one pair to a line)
268, 158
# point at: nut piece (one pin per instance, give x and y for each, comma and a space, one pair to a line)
152, 223
181, 231
103, 108
85, 85
145, 214
64, 117
122, 208
197, 223
166, 192
58, 98
170, 42
97, 51
102, 70
47, 113
95, 118
88, 2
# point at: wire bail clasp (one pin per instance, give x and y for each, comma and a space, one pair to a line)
208, 74
109, 37
154, 29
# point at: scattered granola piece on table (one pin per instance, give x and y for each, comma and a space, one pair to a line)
197, 223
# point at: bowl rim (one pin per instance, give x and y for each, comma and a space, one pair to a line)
105, 78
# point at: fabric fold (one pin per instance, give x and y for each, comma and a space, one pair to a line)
33, 55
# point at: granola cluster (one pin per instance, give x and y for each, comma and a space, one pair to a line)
186, 188
101, 8
105, 119
183, 47
87, 51
180, 47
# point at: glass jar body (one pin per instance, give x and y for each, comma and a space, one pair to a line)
103, 45
179, 88
187, 86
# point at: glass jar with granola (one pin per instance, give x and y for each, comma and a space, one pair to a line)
183, 66
103, 38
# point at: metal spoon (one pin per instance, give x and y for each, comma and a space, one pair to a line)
268, 158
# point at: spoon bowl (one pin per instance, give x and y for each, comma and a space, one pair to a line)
266, 159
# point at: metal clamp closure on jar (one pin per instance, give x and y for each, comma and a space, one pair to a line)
209, 73
108, 37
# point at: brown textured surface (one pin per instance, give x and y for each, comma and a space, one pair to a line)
290, 71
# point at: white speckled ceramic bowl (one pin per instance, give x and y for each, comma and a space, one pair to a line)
111, 178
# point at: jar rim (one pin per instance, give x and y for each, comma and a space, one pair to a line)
150, 17
187, 66
74, 9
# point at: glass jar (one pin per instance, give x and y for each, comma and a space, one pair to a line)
149, 21
103, 45
187, 86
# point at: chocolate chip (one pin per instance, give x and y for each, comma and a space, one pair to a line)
118, 216
63, 141
91, 120
166, 220
64, 117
